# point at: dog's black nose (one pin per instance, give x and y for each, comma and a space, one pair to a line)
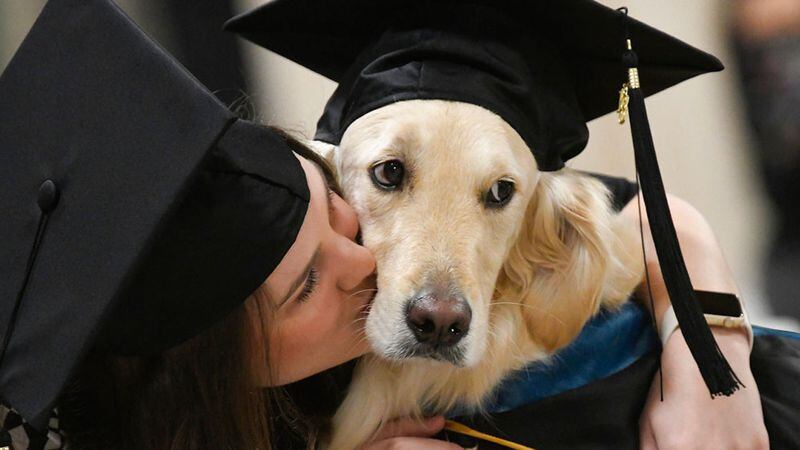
438, 321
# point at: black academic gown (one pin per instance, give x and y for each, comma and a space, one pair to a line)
605, 414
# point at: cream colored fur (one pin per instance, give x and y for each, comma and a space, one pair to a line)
533, 272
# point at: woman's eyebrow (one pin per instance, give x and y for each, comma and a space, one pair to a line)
300, 280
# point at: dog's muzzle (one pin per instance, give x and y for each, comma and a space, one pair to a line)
438, 322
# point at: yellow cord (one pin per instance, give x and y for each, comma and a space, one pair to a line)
463, 429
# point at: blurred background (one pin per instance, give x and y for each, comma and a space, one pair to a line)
729, 142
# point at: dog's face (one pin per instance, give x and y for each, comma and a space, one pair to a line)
441, 190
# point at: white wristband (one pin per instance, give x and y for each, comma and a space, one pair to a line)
669, 323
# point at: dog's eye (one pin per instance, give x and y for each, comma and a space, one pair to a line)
499, 194
388, 175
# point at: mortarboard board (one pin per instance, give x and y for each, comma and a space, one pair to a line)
544, 66
136, 209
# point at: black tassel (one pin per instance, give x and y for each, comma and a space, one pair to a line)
716, 372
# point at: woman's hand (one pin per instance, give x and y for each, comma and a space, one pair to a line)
688, 418
410, 434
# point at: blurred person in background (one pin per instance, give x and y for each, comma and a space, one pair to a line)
766, 36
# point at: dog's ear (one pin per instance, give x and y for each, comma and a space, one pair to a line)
572, 254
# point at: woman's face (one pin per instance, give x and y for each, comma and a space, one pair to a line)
320, 291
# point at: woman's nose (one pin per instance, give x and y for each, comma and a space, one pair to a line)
357, 263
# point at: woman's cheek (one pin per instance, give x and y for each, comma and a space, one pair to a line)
313, 326
328, 316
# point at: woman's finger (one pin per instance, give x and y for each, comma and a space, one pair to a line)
410, 427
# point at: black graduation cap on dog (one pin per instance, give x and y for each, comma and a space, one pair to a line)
545, 66
136, 210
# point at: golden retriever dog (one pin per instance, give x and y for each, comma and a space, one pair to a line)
485, 264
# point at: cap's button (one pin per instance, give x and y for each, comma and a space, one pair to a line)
48, 196
630, 59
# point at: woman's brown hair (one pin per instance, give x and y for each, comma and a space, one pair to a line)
195, 396
201, 394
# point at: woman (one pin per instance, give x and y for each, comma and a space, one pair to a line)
303, 320
163, 261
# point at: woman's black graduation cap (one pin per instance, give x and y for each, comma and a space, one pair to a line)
136, 210
545, 66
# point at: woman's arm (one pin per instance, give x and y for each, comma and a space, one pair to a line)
705, 263
688, 418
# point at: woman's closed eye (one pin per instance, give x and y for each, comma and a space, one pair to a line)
309, 286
